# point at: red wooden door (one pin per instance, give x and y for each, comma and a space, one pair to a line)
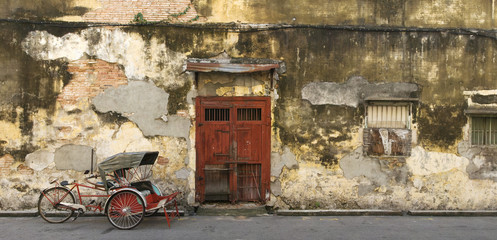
233, 148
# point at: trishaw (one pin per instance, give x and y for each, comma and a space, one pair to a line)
128, 191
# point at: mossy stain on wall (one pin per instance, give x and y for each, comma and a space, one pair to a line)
441, 126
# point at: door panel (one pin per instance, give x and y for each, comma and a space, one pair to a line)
217, 139
249, 182
217, 182
233, 148
248, 139
217, 151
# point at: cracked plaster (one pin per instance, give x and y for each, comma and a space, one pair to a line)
182, 173
141, 60
357, 165
423, 162
75, 157
146, 105
280, 160
354, 91
39, 160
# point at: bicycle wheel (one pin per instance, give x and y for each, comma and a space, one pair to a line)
49, 207
125, 210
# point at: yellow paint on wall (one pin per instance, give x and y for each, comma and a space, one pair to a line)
87, 3
74, 18
9, 132
241, 91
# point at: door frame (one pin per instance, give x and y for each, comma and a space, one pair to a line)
265, 145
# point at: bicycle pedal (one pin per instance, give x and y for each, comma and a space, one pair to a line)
91, 202
80, 211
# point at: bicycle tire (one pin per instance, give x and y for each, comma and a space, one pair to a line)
125, 210
48, 207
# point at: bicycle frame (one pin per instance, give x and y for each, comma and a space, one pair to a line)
92, 207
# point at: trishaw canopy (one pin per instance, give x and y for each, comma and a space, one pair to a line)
125, 160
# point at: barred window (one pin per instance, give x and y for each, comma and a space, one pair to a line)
484, 130
388, 116
217, 114
387, 128
248, 114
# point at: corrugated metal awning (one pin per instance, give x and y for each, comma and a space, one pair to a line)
232, 65
481, 111
391, 99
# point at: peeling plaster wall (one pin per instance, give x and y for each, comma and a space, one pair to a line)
317, 157
125, 11
406, 13
141, 59
222, 84
45, 9
144, 104
354, 91
422, 13
99, 10
117, 120
74, 157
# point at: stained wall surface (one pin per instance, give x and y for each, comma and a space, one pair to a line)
405, 13
115, 88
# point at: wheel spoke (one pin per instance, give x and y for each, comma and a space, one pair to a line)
48, 208
125, 210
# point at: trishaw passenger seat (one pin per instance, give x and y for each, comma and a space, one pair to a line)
145, 192
143, 186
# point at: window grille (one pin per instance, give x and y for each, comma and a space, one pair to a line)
388, 116
217, 114
484, 130
248, 114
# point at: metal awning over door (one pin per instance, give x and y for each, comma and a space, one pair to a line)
236, 65
233, 65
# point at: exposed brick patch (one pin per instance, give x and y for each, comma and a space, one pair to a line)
123, 11
24, 170
6, 162
162, 160
90, 78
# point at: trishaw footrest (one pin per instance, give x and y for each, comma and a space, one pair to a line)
171, 200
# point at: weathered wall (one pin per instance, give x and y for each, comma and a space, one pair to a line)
103, 97
406, 13
120, 89
45, 9
113, 11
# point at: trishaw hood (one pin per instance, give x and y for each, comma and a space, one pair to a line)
125, 160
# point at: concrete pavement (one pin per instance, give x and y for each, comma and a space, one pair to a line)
318, 212
260, 227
